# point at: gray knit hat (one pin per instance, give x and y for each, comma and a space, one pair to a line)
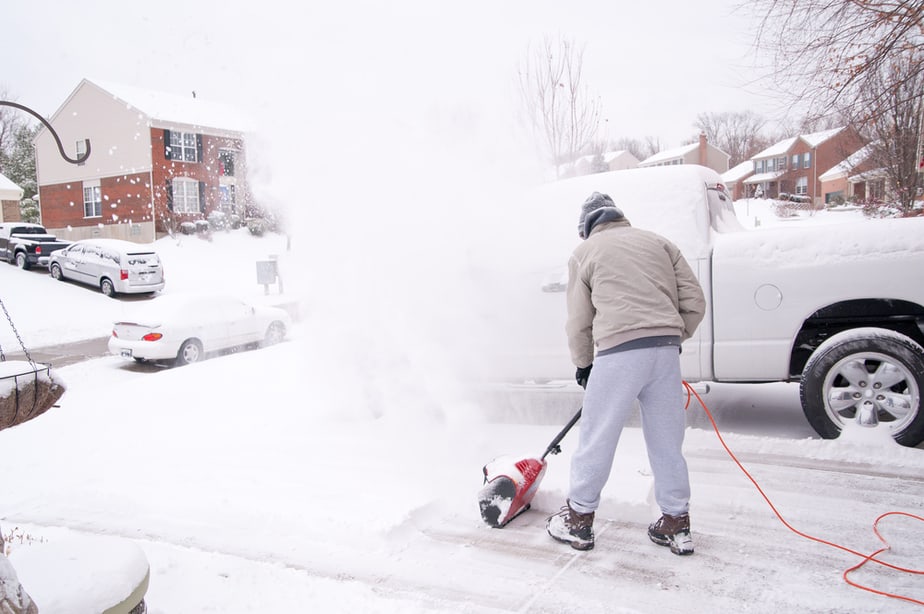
597, 208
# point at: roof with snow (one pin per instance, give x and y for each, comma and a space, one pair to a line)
9, 190
847, 166
876, 173
777, 149
762, 177
813, 139
670, 154
608, 156
817, 138
739, 172
177, 109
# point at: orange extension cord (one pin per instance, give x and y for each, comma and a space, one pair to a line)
866, 557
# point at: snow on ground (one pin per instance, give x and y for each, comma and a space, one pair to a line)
337, 472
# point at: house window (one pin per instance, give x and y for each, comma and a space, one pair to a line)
875, 189
226, 162
81, 149
92, 201
795, 161
227, 197
802, 185
185, 196
183, 146
807, 159
780, 163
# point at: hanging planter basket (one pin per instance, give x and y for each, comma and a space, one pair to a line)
27, 390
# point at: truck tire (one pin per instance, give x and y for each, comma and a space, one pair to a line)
872, 377
22, 261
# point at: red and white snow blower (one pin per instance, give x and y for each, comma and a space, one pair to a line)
511, 483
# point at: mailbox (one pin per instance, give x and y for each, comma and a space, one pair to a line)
266, 272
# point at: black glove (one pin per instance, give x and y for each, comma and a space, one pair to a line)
582, 374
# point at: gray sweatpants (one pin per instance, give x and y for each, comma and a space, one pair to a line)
651, 375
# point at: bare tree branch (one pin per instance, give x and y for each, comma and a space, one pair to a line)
560, 111
825, 52
11, 121
737, 134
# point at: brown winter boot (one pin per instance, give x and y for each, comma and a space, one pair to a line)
572, 527
673, 531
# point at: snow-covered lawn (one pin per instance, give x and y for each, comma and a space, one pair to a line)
338, 472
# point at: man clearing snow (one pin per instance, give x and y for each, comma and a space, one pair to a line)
632, 295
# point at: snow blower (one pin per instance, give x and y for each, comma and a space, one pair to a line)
510, 483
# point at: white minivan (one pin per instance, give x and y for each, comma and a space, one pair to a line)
112, 265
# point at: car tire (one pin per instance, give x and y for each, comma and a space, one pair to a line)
22, 261
106, 287
866, 376
56, 272
190, 352
275, 333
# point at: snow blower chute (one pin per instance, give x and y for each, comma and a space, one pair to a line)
511, 483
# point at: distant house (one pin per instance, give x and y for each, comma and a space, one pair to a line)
156, 160
701, 152
794, 166
734, 178
10, 195
854, 179
608, 161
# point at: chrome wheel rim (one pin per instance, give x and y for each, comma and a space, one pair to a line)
872, 390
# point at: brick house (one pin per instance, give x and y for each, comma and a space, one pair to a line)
10, 195
734, 178
794, 166
856, 179
701, 152
156, 160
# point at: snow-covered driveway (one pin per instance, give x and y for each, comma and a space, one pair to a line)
248, 494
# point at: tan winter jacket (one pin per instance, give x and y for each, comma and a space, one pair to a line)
625, 283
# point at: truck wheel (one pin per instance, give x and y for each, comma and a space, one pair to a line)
22, 262
872, 377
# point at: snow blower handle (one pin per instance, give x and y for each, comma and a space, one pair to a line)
554, 448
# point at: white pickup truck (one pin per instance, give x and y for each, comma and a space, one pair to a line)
839, 308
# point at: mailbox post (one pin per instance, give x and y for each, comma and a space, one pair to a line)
268, 273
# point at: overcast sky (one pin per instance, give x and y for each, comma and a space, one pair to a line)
655, 65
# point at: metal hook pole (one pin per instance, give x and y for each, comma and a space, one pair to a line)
78, 160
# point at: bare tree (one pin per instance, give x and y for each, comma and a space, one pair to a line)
11, 121
895, 128
826, 52
736, 133
641, 149
561, 113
